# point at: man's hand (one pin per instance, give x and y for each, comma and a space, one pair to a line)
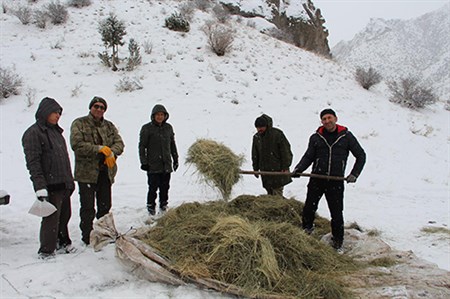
175, 165
110, 160
42, 195
105, 150
144, 167
351, 179
296, 173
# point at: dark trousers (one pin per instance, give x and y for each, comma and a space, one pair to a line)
334, 194
88, 193
54, 227
157, 181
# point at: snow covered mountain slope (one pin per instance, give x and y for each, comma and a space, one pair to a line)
400, 48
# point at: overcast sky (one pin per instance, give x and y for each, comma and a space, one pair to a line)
345, 18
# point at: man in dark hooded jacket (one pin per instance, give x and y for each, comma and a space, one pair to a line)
271, 151
158, 154
48, 162
328, 150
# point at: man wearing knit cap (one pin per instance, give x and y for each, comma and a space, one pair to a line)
48, 162
271, 151
328, 150
97, 145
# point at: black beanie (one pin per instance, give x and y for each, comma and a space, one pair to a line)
261, 122
327, 111
96, 100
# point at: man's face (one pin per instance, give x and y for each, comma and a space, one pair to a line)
97, 110
159, 117
329, 122
261, 130
53, 117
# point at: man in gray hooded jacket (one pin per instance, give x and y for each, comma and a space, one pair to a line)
48, 162
158, 154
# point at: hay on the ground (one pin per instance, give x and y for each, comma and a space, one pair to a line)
261, 256
216, 163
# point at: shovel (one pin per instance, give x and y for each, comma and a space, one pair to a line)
293, 174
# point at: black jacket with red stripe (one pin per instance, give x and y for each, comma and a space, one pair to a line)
331, 159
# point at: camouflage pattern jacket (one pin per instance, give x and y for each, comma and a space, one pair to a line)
86, 135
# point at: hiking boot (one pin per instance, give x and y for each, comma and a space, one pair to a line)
340, 250
162, 209
337, 245
64, 249
151, 211
308, 231
46, 256
86, 240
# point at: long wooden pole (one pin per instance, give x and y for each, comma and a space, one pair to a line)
312, 175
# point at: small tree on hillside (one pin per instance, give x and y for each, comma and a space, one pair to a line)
112, 31
408, 92
135, 58
57, 12
10, 83
367, 78
220, 37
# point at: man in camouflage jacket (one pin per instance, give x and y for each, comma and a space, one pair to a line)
97, 144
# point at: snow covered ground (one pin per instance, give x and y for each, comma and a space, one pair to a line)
403, 188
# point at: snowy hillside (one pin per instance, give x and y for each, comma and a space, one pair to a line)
403, 188
401, 48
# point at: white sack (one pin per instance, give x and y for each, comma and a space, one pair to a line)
42, 208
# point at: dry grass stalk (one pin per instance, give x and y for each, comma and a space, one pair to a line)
261, 256
216, 163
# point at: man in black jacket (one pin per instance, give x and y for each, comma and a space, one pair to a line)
271, 151
48, 162
158, 154
328, 150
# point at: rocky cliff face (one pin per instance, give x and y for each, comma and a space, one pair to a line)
299, 21
400, 48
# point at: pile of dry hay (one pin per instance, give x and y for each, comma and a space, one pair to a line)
217, 164
254, 243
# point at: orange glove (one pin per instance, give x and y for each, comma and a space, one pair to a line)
110, 161
105, 150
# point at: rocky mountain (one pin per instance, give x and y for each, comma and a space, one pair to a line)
297, 22
418, 47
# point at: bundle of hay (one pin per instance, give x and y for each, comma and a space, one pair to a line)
216, 163
263, 257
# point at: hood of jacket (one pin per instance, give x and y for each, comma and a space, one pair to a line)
46, 107
339, 129
269, 120
159, 108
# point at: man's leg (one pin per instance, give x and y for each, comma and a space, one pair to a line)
104, 200
164, 191
49, 225
315, 192
153, 181
66, 213
335, 199
87, 211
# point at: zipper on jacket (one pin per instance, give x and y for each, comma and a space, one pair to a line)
330, 148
